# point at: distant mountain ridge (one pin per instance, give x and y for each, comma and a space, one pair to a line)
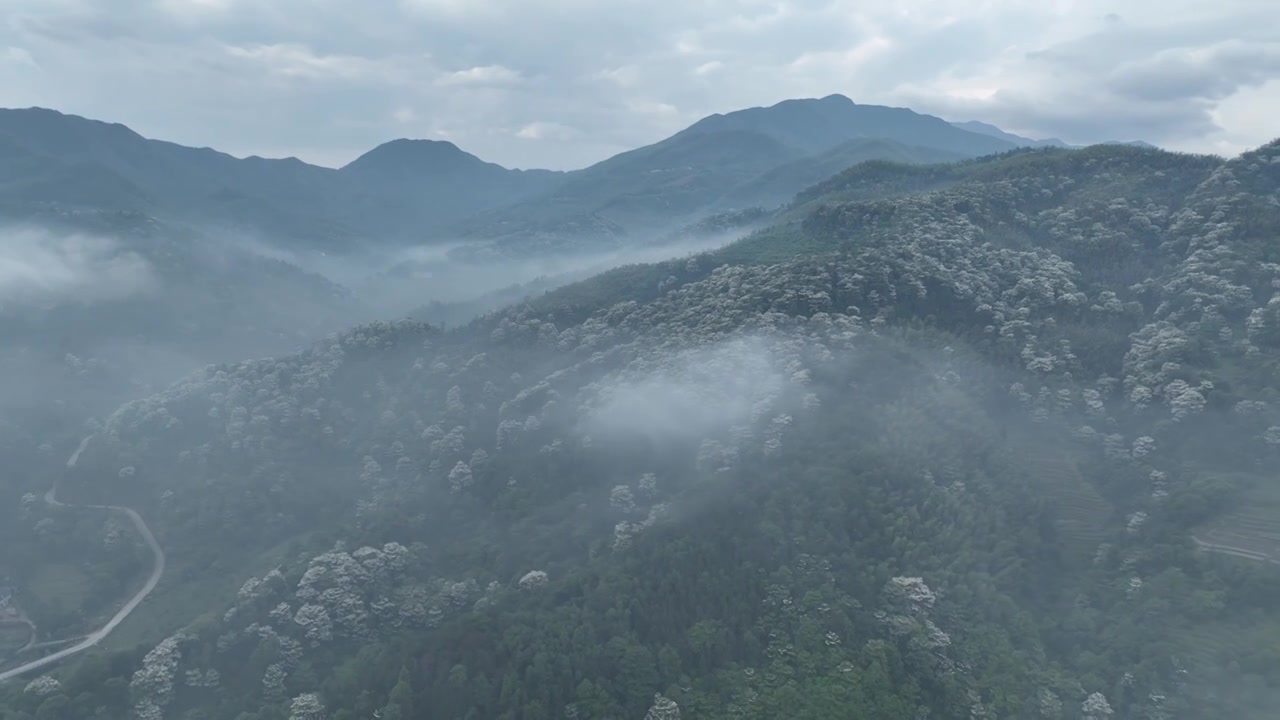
995, 132
111, 167
760, 155
817, 125
414, 191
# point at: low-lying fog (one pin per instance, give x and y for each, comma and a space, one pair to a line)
92, 319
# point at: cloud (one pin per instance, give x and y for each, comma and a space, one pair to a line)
545, 130
41, 268
688, 395
842, 60
1160, 79
194, 10
1211, 73
18, 56
298, 61
482, 75
708, 67
327, 77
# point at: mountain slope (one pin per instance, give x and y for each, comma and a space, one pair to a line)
671, 179
178, 182
1016, 140
699, 169
779, 184
817, 125
99, 308
395, 191
807, 475
405, 188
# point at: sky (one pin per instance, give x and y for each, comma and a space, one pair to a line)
564, 83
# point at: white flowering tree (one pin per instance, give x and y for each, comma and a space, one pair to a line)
1096, 707
533, 580
152, 684
663, 708
42, 686
307, 706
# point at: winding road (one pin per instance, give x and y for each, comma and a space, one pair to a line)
97, 636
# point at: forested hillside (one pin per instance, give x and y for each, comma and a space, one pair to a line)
995, 439
100, 307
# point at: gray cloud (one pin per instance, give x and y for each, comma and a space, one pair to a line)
563, 83
1211, 73
1164, 80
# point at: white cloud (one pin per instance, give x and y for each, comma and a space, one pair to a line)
19, 56
708, 67
625, 76
546, 131
651, 107
42, 268
482, 75
298, 61
846, 60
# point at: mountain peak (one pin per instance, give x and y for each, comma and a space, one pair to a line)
418, 145
47, 126
814, 125
407, 156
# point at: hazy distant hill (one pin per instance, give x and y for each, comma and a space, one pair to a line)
778, 185
405, 187
995, 132
759, 155
813, 126
402, 188
407, 192
420, 190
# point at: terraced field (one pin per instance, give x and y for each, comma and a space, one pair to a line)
1250, 531
1082, 512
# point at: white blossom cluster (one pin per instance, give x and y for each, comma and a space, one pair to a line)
307, 706
663, 708
533, 580
910, 603
42, 686
152, 684
1096, 707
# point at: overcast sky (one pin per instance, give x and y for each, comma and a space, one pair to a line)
563, 83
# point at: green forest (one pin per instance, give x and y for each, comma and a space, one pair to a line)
996, 438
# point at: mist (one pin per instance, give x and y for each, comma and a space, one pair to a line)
44, 268
686, 394
393, 284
